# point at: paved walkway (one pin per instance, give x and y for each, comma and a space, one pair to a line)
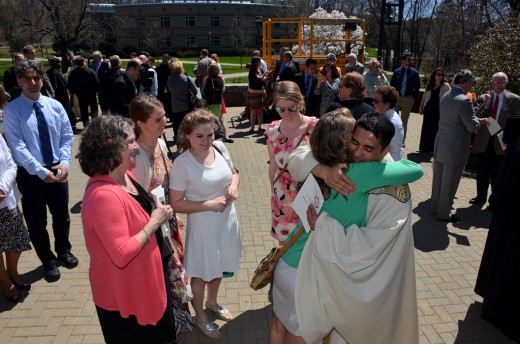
448, 257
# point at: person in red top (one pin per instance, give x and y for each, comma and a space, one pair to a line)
128, 258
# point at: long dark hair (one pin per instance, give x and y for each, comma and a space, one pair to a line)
431, 80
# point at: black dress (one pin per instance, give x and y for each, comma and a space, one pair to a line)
430, 124
117, 329
498, 280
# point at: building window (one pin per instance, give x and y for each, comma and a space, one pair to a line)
167, 42
141, 43
214, 21
214, 41
191, 41
141, 23
165, 21
190, 21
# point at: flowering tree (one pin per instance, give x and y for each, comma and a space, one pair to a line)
327, 32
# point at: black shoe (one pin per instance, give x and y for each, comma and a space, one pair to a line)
477, 200
24, 286
69, 261
52, 274
229, 140
452, 218
490, 207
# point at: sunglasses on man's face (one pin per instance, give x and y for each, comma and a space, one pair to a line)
293, 108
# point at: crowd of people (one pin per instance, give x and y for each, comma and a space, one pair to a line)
345, 126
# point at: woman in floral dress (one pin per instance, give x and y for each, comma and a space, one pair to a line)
152, 170
283, 137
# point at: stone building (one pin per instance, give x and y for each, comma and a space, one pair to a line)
222, 26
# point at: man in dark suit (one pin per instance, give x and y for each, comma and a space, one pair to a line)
499, 104
84, 83
164, 71
288, 68
456, 124
61, 90
101, 68
10, 82
307, 82
123, 88
279, 62
67, 62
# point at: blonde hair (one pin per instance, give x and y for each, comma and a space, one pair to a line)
3, 97
190, 122
177, 67
289, 90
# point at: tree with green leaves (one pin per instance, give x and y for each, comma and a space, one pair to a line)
497, 50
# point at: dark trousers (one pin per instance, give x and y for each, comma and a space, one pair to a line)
177, 118
37, 196
489, 164
65, 101
84, 103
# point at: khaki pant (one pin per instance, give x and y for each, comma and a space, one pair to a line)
404, 107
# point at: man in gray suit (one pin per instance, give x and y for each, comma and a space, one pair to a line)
499, 104
457, 122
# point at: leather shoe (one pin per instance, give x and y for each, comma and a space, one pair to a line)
477, 200
69, 261
452, 218
52, 274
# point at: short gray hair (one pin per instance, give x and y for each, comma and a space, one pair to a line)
463, 76
373, 60
115, 61
97, 53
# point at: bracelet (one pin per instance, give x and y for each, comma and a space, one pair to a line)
147, 234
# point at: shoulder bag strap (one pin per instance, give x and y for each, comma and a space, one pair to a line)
218, 150
281, 171
288, 244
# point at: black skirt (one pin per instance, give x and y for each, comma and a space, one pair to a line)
117, 329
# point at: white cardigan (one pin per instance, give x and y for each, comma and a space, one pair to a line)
8, 177
445, 87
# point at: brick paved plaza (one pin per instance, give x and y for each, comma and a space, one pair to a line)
448, 257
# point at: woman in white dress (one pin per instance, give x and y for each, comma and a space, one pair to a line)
204, 187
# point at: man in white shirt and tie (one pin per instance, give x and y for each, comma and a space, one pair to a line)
39, 134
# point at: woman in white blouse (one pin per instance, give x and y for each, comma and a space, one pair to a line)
14, 238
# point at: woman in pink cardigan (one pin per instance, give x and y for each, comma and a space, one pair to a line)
128, 259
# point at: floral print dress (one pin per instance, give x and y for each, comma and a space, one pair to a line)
161, 168
284, 191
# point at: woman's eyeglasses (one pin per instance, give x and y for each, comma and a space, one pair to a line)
293, 108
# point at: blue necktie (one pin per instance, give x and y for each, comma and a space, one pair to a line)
403, 86
308, 80
45, 137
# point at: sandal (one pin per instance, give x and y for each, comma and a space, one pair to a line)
221, 312
209, 329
